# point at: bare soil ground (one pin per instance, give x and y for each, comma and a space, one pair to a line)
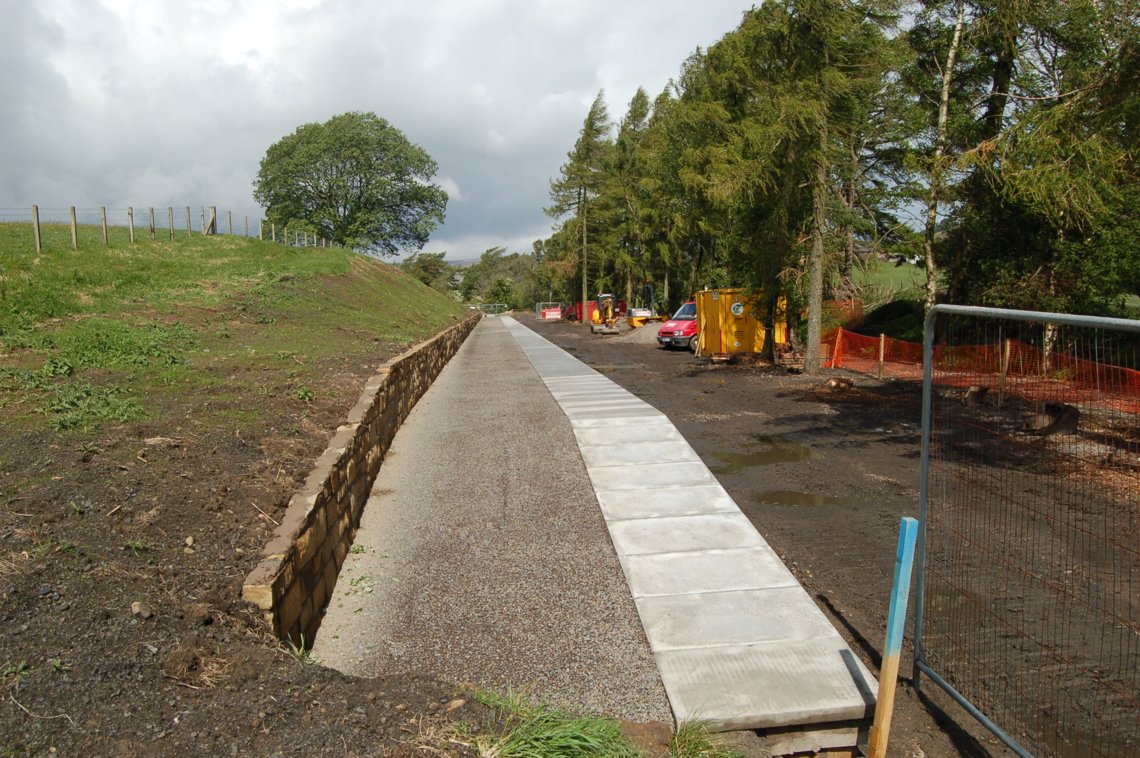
122, 554
825, 476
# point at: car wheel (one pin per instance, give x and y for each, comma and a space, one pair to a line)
693, 343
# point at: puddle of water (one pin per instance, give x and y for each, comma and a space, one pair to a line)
762, 451
805, 499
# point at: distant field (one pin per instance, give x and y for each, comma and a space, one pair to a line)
883, 282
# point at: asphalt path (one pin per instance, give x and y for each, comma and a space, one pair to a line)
483, 556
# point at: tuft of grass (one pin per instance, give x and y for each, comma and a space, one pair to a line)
693, 740
138, 546
299, 652
537, 730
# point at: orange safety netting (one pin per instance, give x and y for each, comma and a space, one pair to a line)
1010, 367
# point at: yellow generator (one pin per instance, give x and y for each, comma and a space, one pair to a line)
727, 322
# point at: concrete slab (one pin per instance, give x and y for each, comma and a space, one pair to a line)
665, 501
626, 435
705, 571
641, 452
643, 536
614, 411
777, 684
605, 405
630, 418
649, 475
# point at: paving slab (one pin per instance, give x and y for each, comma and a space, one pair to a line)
738, 642
706, 570
746, 617
653, 502
608, 436
772, 685
640, 452
672, 534
649, 475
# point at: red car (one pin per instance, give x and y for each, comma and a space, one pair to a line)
681, 330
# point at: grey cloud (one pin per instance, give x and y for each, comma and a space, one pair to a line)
176, 103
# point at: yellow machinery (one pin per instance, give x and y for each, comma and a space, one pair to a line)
604, 319
727, 322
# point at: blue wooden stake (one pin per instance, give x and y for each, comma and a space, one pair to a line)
892, 648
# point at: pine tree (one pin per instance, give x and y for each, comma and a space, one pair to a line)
581, 179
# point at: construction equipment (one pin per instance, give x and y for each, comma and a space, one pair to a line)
605, 317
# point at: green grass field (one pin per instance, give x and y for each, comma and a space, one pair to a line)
115, 333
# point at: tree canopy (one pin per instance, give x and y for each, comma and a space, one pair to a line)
354, 179
997, 139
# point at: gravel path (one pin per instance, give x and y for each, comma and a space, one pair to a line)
485, 557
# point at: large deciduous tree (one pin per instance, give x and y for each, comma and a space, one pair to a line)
357, 180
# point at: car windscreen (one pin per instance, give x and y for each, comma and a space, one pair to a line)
686, 312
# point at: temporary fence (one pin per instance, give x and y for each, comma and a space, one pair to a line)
1027, 606
1018, 366
77, 228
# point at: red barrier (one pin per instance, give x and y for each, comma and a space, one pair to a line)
1011, 366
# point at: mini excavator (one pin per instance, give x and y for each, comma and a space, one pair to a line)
605, 318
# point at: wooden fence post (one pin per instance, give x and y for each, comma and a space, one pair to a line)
74, 231
170, 220
230, 222
36, 227
892, 647
150, 217
273, 230
882, 353
213, 220
131, 222
260, 230
246, 227
103, 224
203, 224
189, 226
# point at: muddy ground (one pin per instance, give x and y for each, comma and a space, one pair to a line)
825, 475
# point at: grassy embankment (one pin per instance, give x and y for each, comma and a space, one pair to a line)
111, 334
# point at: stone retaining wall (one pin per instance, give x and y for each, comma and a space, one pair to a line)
299, 566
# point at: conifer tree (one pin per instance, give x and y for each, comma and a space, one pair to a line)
581, 179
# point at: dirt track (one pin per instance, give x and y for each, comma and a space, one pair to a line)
825, 475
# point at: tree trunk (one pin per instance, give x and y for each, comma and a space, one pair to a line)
815, 261
936, 167
991, 122
846, 288
585, 288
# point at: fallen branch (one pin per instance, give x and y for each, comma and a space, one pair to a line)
263, 513
45, 718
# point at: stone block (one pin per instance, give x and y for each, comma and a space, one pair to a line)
308, 543
260, 594
289, 609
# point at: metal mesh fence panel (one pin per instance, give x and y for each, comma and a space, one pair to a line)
1028, 606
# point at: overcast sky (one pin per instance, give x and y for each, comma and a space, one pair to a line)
154, 103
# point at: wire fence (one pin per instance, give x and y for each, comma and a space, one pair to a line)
38, 229
1028, 596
